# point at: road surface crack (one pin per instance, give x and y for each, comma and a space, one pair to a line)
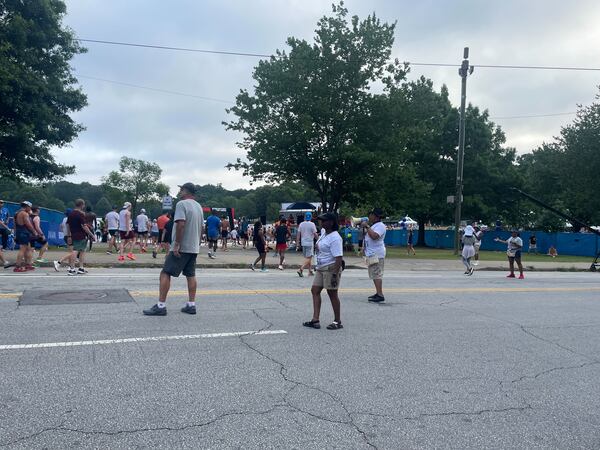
283, 372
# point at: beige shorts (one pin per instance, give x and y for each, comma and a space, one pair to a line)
376, 270
327, 279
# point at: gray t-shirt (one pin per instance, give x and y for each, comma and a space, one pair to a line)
190, 211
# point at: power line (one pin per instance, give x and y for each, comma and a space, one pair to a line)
264, 55
164, 91
534, 115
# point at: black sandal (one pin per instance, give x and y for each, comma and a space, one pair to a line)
335, 326
312, 324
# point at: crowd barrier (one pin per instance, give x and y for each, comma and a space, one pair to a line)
50, 221
576, 244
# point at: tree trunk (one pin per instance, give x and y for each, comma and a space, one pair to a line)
421, 236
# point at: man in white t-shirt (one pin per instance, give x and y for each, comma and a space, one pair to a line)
112, 226
305, 238
143, 225
374, 249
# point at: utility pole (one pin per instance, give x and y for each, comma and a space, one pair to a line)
464, 71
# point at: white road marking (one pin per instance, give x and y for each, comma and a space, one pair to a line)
140, 339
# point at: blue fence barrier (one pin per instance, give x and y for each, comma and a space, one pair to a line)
576, 244
50, 221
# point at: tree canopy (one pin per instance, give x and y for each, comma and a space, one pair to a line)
37, 88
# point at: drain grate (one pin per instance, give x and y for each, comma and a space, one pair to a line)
81, 296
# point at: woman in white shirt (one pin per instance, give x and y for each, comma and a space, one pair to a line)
375, 252
330, 251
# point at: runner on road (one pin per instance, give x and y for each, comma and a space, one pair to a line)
80, 233
305, 238
24, 233
112, 226
225, 228
126, 232
40, 239
143, 223
213, 229
187, 233
260, 243
282, 234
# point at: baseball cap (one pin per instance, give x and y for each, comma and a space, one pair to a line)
376, 212
143, 210
26, 203
328, 216
190, 187
469, 230
308, 216
126, 205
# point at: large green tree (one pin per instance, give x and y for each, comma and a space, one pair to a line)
310, 119
138, 181
37, 88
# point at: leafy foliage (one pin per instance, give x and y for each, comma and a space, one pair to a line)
37, 89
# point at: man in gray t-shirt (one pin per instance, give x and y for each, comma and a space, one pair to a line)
185, 246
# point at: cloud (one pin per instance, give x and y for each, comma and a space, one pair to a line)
185, 135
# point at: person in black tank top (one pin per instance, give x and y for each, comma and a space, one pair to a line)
282, 233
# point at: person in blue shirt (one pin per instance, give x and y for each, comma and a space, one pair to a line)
4, 230
213, 231
244, 232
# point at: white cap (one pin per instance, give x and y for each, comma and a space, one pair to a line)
26, 203
143, 211
469, 230
126, 205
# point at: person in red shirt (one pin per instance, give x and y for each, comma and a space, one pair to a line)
161, 221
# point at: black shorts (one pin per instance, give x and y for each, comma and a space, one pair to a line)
260, 248
142, 233
185, 263
113, 232
224, 234
360, 243
23, 237
213, 237
39, 240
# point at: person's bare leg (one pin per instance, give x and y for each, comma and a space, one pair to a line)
281, 257
192, 285
378, 286
520, 265
20, 256
263, 260
165, 285
316, 297
81, 260
511, 263
335, 304
43, 250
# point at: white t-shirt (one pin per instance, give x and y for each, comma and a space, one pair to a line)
112, 220
154, 228
329, 246
514, 244
123, 221
307, 230
375, 247
234, 234
142, 223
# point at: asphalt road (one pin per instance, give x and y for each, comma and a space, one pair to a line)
447, 362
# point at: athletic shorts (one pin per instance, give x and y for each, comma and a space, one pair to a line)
160, 239
213, 237
39, 240
281, 247
112, 232
307, 251
185, 263
80, 245
517, 256
376, 270
142, 233
23, 237
260, 248
126, 235
327, 279
224, 234
154, 234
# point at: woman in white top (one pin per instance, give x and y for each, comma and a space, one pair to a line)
330, 250
468, 251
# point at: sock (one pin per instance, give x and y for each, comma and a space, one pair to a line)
162, 304
191, 303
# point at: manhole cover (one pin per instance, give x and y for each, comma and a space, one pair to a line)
47, 297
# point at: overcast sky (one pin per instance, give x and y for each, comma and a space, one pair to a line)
184, 134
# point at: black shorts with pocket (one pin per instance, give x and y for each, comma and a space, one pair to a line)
185, 263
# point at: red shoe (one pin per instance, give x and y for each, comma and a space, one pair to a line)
19, 269
511, 275
130, 256
29, 267
521, 277
121, 258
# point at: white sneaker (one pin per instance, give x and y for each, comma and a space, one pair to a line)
280, 267
72, 272
475, 263
56, 265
